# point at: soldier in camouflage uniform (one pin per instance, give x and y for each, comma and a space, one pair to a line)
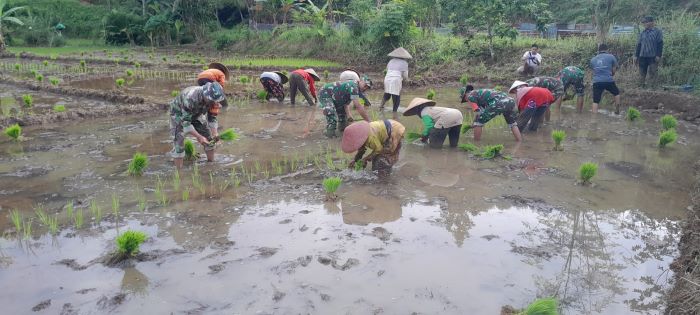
335, 98
489, 104
194, 112
573, 76
554, 85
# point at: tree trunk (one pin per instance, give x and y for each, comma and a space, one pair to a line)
2, 42
490, 35
143, 8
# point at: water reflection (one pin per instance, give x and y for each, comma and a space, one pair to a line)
368, 204
134, 281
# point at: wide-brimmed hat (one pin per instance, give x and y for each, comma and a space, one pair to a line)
417, 102
221, 67
312, 72
515, 85
354, 136
283, 77
400, 53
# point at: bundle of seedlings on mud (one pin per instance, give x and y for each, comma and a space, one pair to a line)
491, 151
587, 171
174, 93
430, 95
667, 137
229, 135
128, 244
14, 132
244, 79
633, 114
668, 122
546, 306
39, 77
27, 100
262, 95
83, 64
120, 82
558, 136
137, 65
138, 164
359, 165
54, 81
45, 63
129, 72
465, 128
330, 185
190, 151
468, 147
59, 108
18, 67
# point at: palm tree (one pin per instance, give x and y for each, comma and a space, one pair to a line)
5, 17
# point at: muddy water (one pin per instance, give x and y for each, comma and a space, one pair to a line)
447, 233
12, 104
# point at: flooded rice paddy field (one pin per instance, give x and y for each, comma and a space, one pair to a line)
447, 233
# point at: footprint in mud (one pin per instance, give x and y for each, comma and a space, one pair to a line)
381, 233
285, 221
266, 251
349, 263
105, 302
42, 305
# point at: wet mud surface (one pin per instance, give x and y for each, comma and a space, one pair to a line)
447, 233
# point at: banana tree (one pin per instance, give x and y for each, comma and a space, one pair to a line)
5, 17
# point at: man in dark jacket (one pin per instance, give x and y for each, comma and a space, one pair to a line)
650, 47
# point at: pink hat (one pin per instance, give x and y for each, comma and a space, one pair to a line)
355, 136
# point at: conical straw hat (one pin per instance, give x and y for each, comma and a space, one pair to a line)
354, 136
312, 72
283, 77
400, 53
416, 102
516, 84
222, 68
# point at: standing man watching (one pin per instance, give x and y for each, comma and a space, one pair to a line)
650, 48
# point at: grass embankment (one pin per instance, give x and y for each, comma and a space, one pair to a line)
72, 47
281, 62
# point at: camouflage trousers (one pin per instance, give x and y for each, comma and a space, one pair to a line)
201, 125
336, 117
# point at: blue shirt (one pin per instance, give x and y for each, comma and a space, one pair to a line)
603, 65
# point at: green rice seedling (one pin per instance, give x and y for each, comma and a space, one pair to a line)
667, 137
211, 179
14, 132
190, 152
413, 136
34, 72
83, 64
54, 81
45, 63
115, 206
359, 166
129, 73
669, 122
633, 114
18, 67
69, 209
16, 218
468, 147
39, 77
141, 199
138, 164
258, 167
27, 100
176, 181
53, 225
59, 108
326, 75
27, 228
137, 65
244, 79
498, 88
186, 194
431, 94
465, 128
53, 57
229, 135
128, 243
120, 82
160, 192
587, 171
546, 306
78, 219
491, 151
95, 210
464, 79
174, 93
558, 136
330, 185
41, 215
262, 95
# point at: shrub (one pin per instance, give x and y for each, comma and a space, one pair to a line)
668, 122
633, 114
587, 171
330, 185
558, 136
27, 100
123, 28
59, 108
667, 137
229, 135
14, 132
128, 243
138, 164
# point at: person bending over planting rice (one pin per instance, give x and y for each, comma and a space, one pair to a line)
194, 112
352, 75
488, 104
382, 137
533, 102
217, 72
273, 83
438, 122
335, 99
302, 80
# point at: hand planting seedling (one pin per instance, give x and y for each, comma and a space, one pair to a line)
633, 114
14, 132
413, 136
546, 306
119, 82
59, 108
430, 95
229, 135
491, 151
128, 243
54, 81
587, 171
669, 122
469, 147
331, 185
138, 164
558, 136
28, 100
667, 137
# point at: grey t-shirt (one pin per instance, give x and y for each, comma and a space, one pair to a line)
603, 65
